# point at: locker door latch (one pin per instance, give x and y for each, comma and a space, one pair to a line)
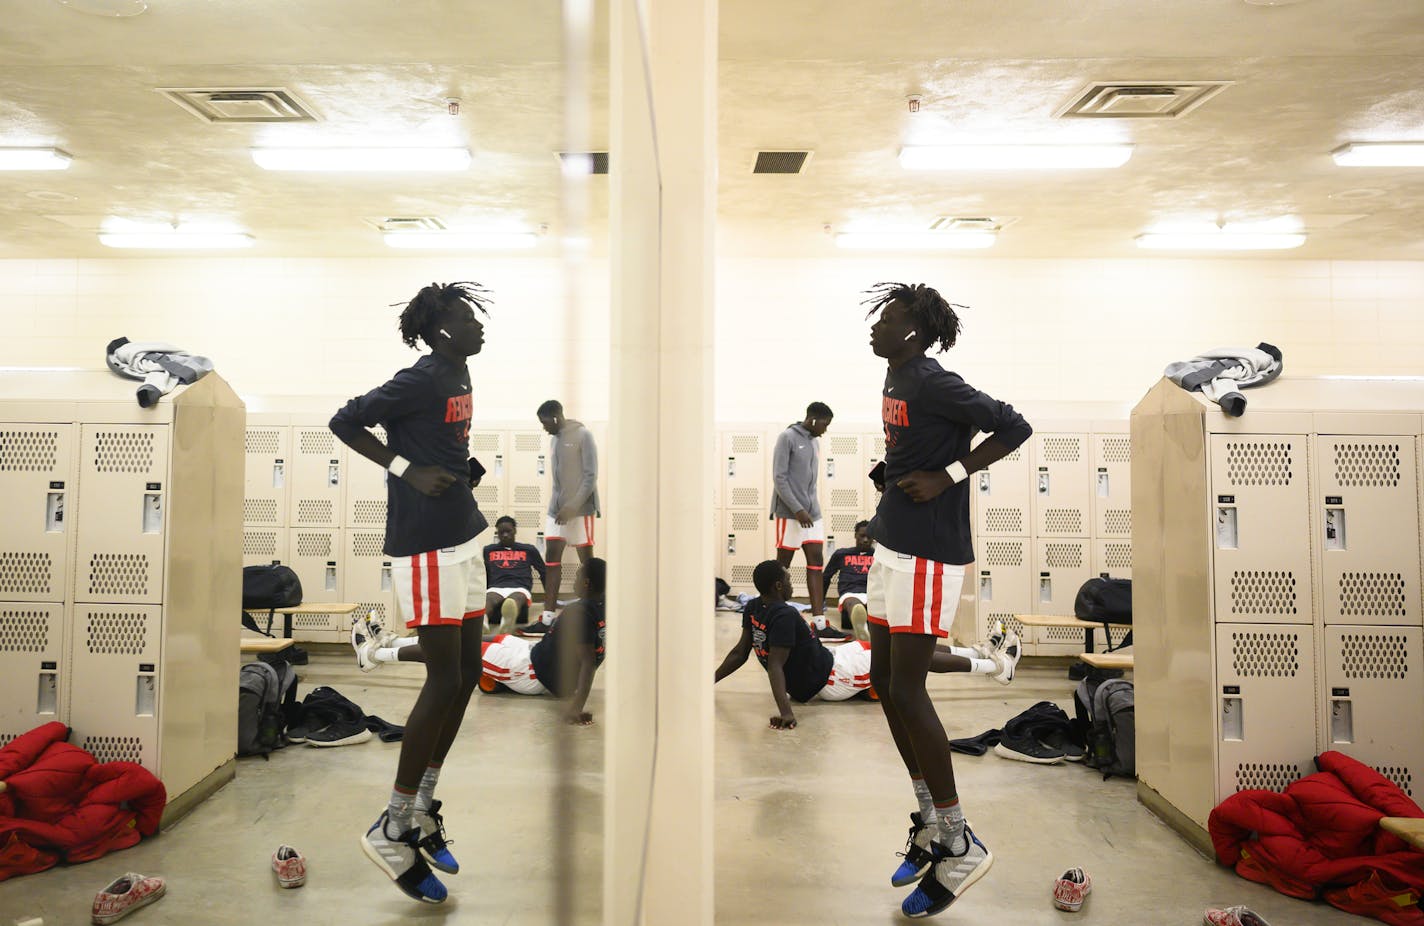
830, 468
1342, 721
47, 700
54, 509
279, 473
153, 509
540, 465
984, 482
1104, 489
986, 586
1334, 523
1043, 480
330, 577
333, 473
731, 466
732, 543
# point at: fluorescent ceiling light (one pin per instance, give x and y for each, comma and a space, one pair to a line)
462, 241
1013, 157
33, 159
1380, 154
362, 159
914, 241
175, 240
1220, 241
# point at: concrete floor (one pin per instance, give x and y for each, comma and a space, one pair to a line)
808, 823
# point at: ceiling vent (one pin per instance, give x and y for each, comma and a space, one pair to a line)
972, 223
780, 162
242, 104
406, 223
588, 162
1128, 100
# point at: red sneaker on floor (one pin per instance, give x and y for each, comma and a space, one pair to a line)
125, 895
1070, 890
1233, 916
290, 866
1396, 906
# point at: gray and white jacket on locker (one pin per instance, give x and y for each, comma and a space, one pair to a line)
793, 473
161, 367
1221, 374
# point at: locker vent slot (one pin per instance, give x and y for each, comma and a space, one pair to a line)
117, 633
841, 522
746, 443
311, 622
1265, 654
1063, 555
314, 545
1257, 464
1117, 521
123, 451
1117, 450
486, 443
1118, 634
1374, 655
1063, 520
746, 520
1117, 556
741, 575
530, 521
314, 511
1003, 553
118, 574
259, 543
528, 443
8, 738
1268, 776
1013, 456
1370, 465
115, 748
28, 451
746, 497
1062, 635
1257, 592
367, 544
380, 431
527, 495
378, 608
24, 631
1400, 775
259, 510
487, 497
373, 511
26, 573
265, 441
845, 498
1062, 449
316, 443
1372, 594
1004, 520
843, 444
1011, 624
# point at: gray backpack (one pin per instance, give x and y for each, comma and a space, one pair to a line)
261, 690
1112, 731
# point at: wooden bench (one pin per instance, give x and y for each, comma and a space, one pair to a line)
1410, 829
311, 607
1108, 660
264, 644
1067, 620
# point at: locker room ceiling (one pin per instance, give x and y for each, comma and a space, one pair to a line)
1308, 76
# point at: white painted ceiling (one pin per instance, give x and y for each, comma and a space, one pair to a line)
1306, 77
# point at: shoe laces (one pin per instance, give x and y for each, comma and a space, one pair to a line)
437, 836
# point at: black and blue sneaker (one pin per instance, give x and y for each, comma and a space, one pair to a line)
949, 877
917, 857
400, 859
434, 844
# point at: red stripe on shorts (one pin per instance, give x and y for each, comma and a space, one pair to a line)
415, 596
936, 601
917, 603
432, 561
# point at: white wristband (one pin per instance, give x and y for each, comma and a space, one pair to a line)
398, 466
957, 472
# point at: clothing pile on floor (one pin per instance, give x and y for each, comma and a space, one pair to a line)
59, 804
326, 717
1321, 838
1042, 735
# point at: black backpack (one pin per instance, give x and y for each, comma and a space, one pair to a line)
1106, 708
268, 587
1107, 600
266, 693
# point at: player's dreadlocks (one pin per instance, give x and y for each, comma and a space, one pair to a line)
934, 317
422, 314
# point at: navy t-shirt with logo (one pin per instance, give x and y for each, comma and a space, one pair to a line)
581, 622
808, 667
512, 566
853, 566
930, 415
426, 410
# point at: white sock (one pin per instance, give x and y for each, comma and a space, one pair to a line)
819, 621
426, 793
398, 642
951, 826
926, 802
386, 654
968, 652
982, 666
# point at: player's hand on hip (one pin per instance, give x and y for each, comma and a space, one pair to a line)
923, 485
565, 515
783, 723
803, 517
429, 480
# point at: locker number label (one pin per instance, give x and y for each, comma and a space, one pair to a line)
1334, 500
155, 486
1226, 499
1231, 689
1339, 692
48, 666
56, 485
145, 667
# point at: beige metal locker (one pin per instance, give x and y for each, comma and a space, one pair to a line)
1112, 488
1061, 485
316, 557
1260, 508
530, 523
1369, 529
841, 480
1113, 558
318, 474
267, 472
34, 668
1060, 567
1004, 586
1265, 677
262, 546
529, 476
491, 448
366, 575
745, 468
840, 529
745, 541
1373, 706
1003, 496
37, 482
874, 448
123, 493
115, 682
363, 493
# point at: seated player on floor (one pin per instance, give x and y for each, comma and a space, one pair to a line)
853, 564
509, 575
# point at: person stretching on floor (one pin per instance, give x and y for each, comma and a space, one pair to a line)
509, 575
799, 667
853, 564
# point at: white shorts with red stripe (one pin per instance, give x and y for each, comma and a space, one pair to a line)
440, 587
911, 594
506, 660
790, 535
850, 674
575, 533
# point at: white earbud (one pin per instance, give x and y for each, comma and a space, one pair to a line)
444, 332
910, 335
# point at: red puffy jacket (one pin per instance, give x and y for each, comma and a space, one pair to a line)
58, 803
1322, 835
